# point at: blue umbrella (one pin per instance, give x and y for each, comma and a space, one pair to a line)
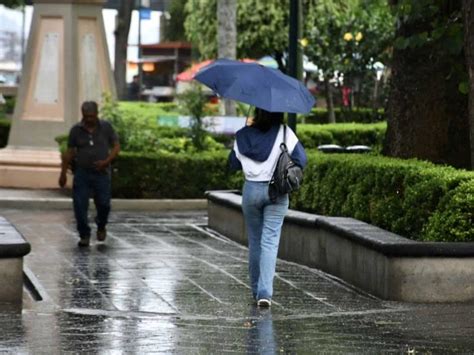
256, 85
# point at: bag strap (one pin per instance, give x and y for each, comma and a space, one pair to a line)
284, 149
283, 146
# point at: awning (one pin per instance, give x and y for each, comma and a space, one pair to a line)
157, 59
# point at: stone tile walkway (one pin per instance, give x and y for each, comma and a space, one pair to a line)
164, 283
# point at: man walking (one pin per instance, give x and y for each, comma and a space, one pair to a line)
92, 146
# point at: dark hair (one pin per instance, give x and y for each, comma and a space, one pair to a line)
264, 120
89, 107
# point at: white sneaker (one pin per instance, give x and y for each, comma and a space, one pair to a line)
263, 302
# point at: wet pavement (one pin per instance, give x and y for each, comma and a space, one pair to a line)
164, 283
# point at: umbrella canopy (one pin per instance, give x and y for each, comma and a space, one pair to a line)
189, 73
256, 85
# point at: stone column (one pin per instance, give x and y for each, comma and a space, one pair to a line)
66, 63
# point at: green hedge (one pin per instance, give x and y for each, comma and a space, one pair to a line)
146, 111
4, 130
344, 134
359, 115
171, 175
418, 200
415, 199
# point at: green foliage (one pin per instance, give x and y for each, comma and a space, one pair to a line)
193, 102
359, 115
437, 24
344, 134
407, 197
348, 36
4, 131
9, 106
444, 28
62, 142
147, 111
454, 219
171, 175
138, 130
174, 25
262, 27
109, 110
13, 3
201, 26
137, 125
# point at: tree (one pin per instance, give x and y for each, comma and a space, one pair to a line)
468, 11
124, 18
345, 38
262, 28
427, 113
174, 24
194, 101
13, 3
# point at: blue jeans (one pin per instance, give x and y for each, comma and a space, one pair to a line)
85, 183
264, 220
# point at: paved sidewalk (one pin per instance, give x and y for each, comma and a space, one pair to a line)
164, 283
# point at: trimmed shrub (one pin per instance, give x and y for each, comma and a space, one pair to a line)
146, 111
4, 131
138, 130
454, 218
10, 105
359, 115
62, 142
344, 134
171, 175
407, 197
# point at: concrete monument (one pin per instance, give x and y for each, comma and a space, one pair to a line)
66, 63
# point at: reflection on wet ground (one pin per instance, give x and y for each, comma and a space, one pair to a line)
163, 282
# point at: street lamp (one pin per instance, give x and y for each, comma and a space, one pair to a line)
143, 13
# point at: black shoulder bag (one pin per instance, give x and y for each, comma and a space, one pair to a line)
287, 176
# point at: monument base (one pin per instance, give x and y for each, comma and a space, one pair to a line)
29, 168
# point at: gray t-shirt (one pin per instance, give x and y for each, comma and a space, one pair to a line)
91, 147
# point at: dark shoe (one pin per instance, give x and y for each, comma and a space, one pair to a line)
84, 242
101, 234
263, 302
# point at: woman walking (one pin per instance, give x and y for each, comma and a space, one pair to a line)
256, 151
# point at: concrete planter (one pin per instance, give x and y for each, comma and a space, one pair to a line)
13, 247
377, 261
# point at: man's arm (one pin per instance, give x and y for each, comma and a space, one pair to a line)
103, 164
66, 161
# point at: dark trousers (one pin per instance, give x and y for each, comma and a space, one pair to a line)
85, 183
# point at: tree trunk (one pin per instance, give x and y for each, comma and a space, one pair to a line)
427, 115
227, 39
124, 17
468, 12
329, 100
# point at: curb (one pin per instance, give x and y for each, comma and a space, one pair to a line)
377, 261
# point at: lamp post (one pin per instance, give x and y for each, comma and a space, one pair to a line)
295, 55
140, 64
